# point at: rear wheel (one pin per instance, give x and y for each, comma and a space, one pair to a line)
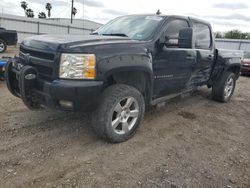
223, 89
3, 46
119, 114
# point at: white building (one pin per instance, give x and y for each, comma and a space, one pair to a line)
34, 26
233, 44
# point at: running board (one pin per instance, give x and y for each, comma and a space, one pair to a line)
168, 97
163, 99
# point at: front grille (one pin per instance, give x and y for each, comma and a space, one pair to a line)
42, 61
45, 55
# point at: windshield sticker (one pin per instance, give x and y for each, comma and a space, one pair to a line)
156, 18
139, 35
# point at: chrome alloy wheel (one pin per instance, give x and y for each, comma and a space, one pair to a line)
125, 115
229, 87
1, 46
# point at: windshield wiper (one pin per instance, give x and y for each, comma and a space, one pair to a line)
115, 34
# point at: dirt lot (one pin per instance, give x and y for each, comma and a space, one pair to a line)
192, 142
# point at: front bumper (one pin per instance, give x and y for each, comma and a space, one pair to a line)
36, 92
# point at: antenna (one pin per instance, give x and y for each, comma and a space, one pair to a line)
158, 12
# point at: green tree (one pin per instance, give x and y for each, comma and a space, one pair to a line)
29, 13
218, 34
48, 7
24, 5
235, 34
248, 36
74, 11
42, 15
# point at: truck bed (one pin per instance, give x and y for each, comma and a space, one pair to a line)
225, 58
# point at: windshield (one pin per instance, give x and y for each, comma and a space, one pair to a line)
134, 27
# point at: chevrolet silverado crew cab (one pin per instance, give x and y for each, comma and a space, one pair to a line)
129, 63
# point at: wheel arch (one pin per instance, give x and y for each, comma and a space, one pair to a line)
3, 40
139, 78
234, 68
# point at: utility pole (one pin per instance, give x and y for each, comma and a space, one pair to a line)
72, 6
83, 14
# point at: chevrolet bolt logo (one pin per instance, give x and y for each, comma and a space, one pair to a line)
30, 77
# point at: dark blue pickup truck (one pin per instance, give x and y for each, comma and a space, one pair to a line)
131, 62
7, 38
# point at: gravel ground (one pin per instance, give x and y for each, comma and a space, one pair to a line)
10, 52
191, 142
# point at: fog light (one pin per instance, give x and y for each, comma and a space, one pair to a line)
66, 104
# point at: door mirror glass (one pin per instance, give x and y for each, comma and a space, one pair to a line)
185, 39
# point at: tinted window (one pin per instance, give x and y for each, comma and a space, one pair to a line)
173, 29
202, 36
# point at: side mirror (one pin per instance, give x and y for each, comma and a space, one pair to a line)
172, 43
185, 38
168, 42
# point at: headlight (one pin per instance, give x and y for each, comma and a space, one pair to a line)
77, 66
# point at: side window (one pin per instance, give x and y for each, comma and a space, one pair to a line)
172, 31
202, 36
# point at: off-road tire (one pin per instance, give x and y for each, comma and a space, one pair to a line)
218, 89
102, 117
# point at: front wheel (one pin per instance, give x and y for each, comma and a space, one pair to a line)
223, 89
119, 114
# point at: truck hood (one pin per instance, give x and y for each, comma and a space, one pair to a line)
64, 42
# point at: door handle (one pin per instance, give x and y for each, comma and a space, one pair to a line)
210, 57
190, 58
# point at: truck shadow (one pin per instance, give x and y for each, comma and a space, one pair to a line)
76, 127
202, 96
245, 75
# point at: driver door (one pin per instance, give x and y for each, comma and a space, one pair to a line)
172, 65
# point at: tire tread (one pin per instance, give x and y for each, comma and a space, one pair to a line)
107, 101
218, 87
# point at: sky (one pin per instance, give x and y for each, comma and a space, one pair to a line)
222, 14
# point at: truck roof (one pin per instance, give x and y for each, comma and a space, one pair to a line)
173, 15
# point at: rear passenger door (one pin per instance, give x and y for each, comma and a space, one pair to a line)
205, 52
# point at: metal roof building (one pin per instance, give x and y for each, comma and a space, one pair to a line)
26, 27
233, 44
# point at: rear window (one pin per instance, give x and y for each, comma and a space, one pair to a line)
202, 36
